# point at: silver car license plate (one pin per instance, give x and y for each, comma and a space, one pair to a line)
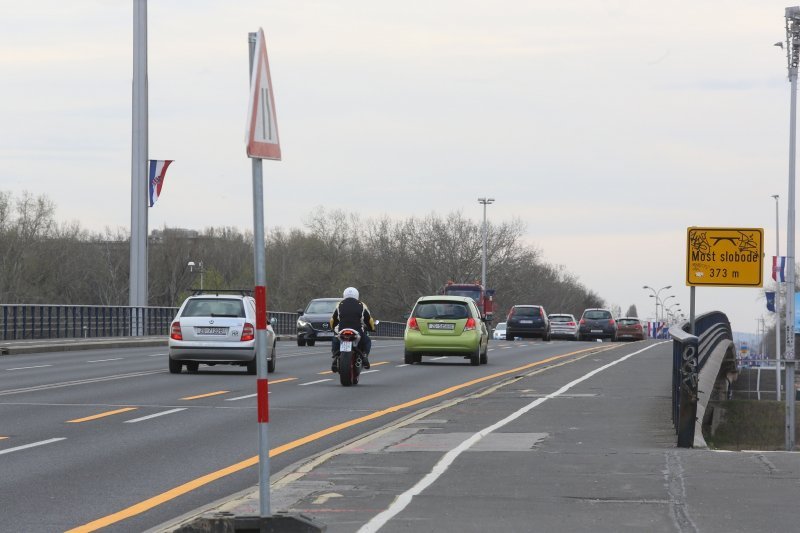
441, 325
526, 321
211, 331
325, 334
597, 331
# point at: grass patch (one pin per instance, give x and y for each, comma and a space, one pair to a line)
748, 425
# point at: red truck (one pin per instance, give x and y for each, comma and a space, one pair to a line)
484, 298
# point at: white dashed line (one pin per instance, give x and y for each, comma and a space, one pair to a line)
314, 382
31, 445
148, 417
27, 367
369, 371
404, 364
243, 397
104, 360
437, 358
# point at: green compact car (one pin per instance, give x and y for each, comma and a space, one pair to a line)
442, 325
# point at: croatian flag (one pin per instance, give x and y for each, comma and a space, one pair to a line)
779, 267
158, 170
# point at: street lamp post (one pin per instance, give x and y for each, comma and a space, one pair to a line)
655, 295
485, 202
191, 265
793, 59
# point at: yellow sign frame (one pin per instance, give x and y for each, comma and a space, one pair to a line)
724, 257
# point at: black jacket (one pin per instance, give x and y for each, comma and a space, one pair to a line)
351, 313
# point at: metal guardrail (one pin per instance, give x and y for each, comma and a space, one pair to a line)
689, 355
31, 322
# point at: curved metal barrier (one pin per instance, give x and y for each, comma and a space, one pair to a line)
701, 364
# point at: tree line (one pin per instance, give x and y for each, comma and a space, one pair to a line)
392, 262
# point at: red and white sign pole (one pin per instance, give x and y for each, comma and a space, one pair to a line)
262, 143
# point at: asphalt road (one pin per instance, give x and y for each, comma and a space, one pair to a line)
108, 438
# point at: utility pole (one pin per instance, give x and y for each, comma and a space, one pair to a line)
777, 305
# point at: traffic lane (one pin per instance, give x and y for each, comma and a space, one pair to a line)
30, 370
228, 420
491, 476
601, 463
108, 464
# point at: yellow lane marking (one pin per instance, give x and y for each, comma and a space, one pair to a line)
189, 486
323, 373
206, 395
101, 415
272, 382
1, 438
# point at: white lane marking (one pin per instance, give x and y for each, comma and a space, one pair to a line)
27, 367
104, 360
157, 355
31, 445
243, 397
402, 501
368, 371
314, 382
437, 358
404, 364
491, 349
148, 417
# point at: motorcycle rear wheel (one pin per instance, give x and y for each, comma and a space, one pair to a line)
348, 373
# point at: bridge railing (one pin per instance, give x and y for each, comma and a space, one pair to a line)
700, 364
31, 322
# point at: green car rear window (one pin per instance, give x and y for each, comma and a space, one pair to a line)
441, 310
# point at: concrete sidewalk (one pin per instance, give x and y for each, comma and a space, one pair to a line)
597, 456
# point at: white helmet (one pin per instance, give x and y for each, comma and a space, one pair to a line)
350, 292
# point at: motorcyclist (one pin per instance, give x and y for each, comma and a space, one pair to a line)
351, 313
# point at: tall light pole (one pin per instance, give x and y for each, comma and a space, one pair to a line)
793, 59
191, 265
655, 295
485, 202
777, 305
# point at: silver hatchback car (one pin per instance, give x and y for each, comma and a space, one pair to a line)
217, 328
563, 325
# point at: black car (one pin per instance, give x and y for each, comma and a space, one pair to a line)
313, 324
527, 321
597, 324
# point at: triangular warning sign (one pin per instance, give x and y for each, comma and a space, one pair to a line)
262, 122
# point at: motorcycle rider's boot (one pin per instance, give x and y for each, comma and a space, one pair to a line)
335, 364
365, 361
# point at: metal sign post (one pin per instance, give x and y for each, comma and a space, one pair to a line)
263, 142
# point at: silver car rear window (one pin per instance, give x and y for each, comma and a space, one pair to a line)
214, 307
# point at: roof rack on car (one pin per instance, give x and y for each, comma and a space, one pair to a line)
243, 292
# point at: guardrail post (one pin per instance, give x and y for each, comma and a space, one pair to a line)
687, 394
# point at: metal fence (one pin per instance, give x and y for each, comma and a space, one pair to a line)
25, 321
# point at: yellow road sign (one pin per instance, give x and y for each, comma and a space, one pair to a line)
724, 257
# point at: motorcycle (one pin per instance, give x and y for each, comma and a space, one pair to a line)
350, 363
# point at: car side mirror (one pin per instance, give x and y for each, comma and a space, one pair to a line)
299, 311
406, 316
377, 322
273, 322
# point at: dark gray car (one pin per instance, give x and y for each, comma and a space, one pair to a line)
527, 321
313, 324
597, 324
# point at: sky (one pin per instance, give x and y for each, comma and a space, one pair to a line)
607, 127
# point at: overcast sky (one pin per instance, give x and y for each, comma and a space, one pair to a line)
607, 126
